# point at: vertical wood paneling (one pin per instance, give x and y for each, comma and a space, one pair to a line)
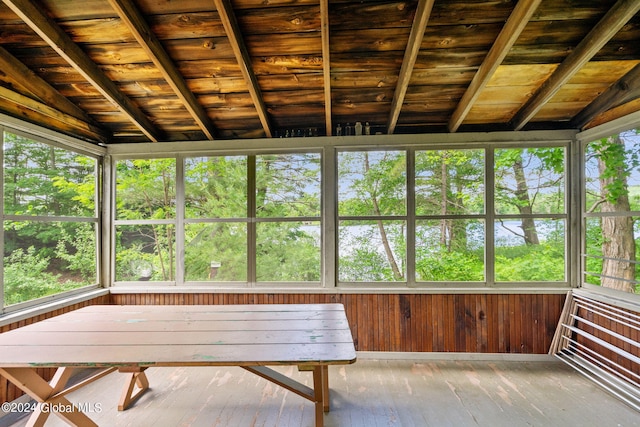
502, 323
496, 323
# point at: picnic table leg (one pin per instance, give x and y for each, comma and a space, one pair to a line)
325, 387
320, 398
58, 383
28, 380
135, 376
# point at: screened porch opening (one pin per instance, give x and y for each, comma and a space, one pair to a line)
459, 179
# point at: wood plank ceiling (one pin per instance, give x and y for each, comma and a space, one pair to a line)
112, 71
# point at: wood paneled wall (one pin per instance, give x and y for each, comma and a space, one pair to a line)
475, 323
8, 391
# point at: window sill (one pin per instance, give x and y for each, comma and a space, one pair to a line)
364, 289
49, 306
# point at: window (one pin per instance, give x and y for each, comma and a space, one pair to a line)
480, 215
287, 199
145, 220
216, 219
372, 216
442, 221
611, 207
49, 219
450, 215
270, 203
530, 215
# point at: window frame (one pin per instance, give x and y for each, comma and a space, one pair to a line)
489, 217
584, 139
252, 221
370, 218
329, 147
44, 136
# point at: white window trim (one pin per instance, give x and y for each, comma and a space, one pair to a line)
49, 137
329, 147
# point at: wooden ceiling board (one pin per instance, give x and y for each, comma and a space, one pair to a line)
615, 113
572, 9
481, 112
602, 72
558, 111
583, 88
470, 12
218, 67
281, 20
503, 95
365, 47
521, 75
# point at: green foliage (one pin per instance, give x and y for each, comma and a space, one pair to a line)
612, 168
77, 248
530, 263
444, 265
362, 256
288, 185
530, 180
26, 277
145, 189
449, 182
372, 183
224, 243
616, 170
45, 257
216, 187
43, 180
287, 252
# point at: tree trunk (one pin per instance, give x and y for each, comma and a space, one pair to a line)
524, 204
458, 228
618, 244
397, 274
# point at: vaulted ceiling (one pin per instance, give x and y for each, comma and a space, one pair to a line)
112, 71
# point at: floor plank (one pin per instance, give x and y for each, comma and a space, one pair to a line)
369, 393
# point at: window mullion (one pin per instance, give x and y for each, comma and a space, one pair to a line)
329, 198
490, 193
251, 223
180, 212
411, 218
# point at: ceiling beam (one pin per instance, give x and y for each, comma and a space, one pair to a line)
601, 33
36, 112
418, 27
626, 89
518, 19
326, 63
33, 15
38, 87
231, 27
140, 29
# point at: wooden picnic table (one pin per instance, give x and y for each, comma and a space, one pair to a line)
130, 339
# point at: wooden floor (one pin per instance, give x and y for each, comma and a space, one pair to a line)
369, 393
